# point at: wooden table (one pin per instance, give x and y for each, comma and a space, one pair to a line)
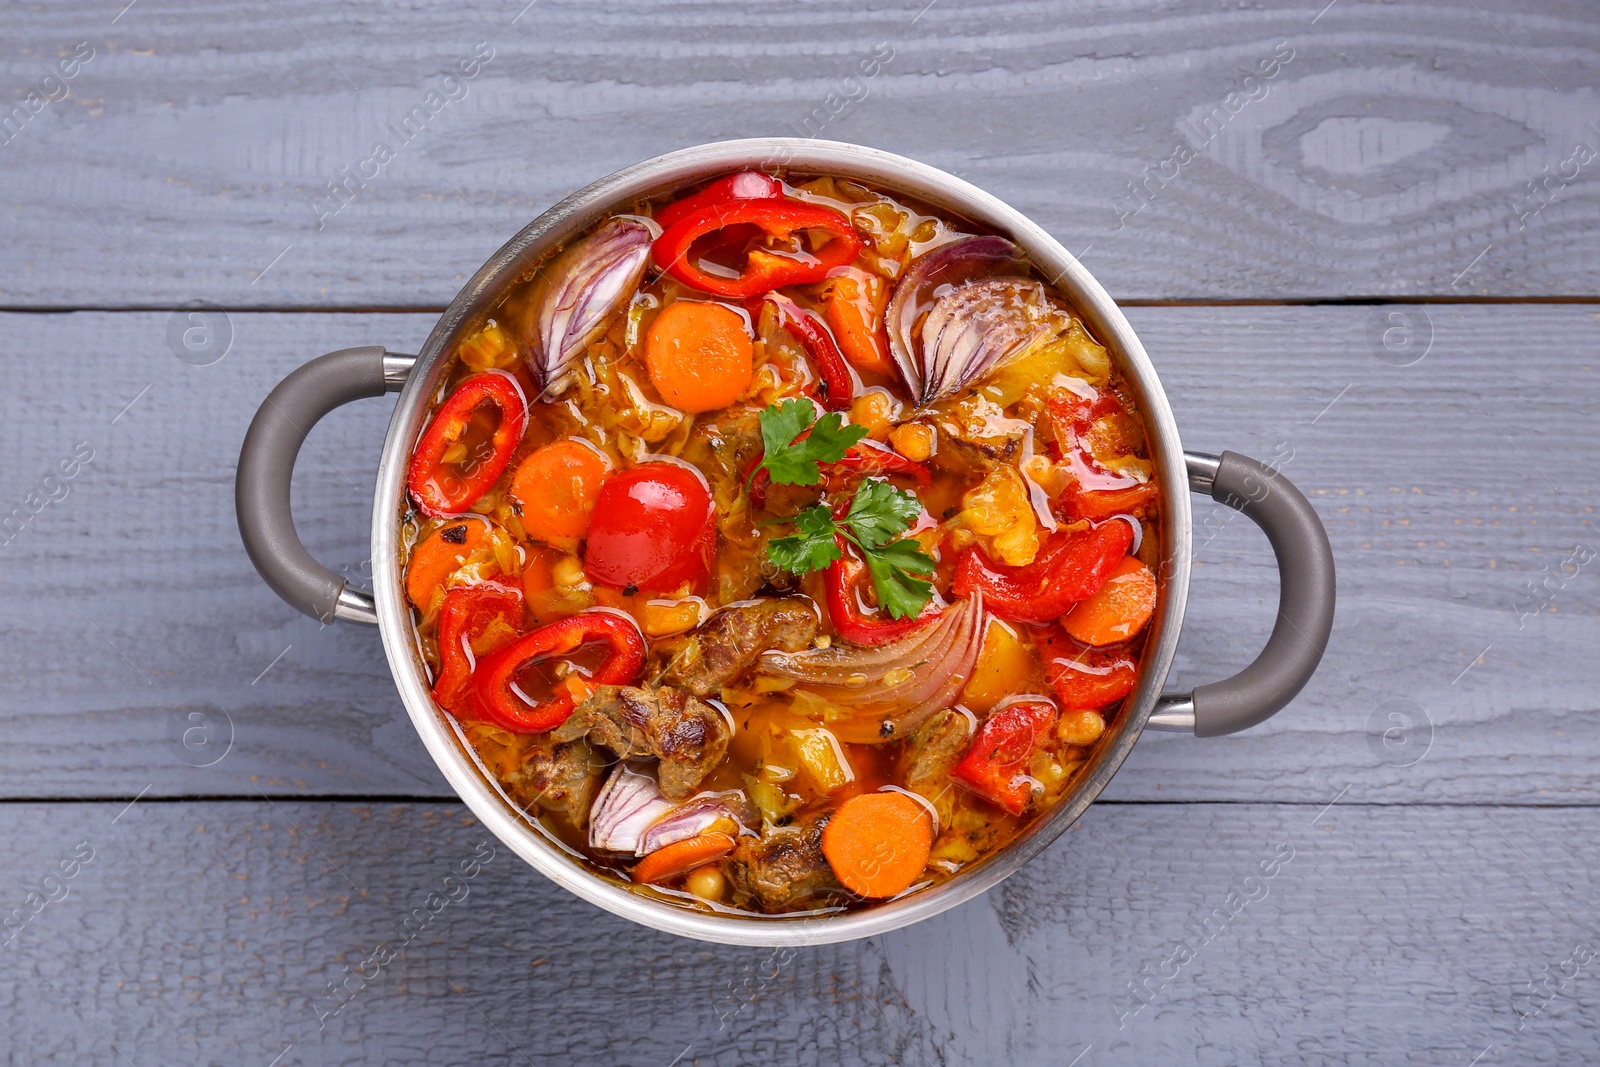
1379, 264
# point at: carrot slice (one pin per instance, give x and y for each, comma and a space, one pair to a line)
555, 490
1118, 609
700, 355
878, 843
855, 314
682, 856
438, 555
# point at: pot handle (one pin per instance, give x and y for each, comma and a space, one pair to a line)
1305, 600
266, 463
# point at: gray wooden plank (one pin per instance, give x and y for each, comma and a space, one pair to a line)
1461, 504
185, 628
1390, 152
206, 932
129, 604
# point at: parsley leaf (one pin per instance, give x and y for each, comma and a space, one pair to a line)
892, 567
880, 513
791, 460
812, 549
782, 423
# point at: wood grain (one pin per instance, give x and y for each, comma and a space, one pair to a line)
206, 932
1426, 808
129, 605
1390, 152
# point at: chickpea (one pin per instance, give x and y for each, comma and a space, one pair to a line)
873, 409
707, 883
1080, 727
914, 441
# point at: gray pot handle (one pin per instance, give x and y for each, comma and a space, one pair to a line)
266, 463
1305, 601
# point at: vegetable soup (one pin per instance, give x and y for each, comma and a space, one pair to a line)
782, 545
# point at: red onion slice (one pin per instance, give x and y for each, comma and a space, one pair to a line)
890, 690
627, 805
585, 286
931, 276
976, 327
694, 816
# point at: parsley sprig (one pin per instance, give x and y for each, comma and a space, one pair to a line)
790, 459
813, 548
878, 514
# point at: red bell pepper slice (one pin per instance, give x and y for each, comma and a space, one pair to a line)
474, 620
765, 269
1096, 504
495, 679
1072, 413
996, 767
1087, 679
1092, 491
838, 386
746, 185
850, 619
869, 457
1069, 568
441, 489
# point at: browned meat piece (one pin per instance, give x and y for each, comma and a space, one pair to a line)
732, 639
723, 449
932, 751
688, 736
560, 777
971, 443
783, 868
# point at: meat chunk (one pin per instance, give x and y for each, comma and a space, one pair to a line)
559, 777
932, 751
688, 736
783, 868
732, 639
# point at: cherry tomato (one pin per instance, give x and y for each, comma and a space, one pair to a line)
653, 530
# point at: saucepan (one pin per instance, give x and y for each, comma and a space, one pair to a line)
1304, 557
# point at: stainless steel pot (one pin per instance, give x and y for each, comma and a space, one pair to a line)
1305, 561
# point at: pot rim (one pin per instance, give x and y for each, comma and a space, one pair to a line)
442, 736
